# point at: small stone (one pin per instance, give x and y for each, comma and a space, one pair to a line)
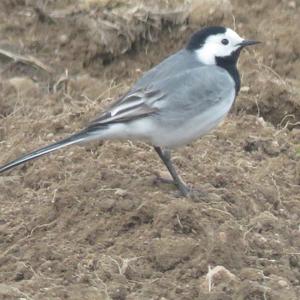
245, 89
223, 236
217, 276
63, 39
283, 283
120, 192
292, 4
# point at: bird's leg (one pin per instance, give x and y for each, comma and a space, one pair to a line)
166, 158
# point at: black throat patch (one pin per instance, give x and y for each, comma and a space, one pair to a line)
229, 64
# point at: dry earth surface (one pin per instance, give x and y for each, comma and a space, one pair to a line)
93, 222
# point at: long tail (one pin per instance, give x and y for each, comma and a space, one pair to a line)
73, 139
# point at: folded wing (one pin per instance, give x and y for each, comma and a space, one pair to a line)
134, 105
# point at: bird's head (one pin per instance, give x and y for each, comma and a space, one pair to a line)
216, 43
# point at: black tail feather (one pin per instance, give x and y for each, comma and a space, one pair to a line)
74, 139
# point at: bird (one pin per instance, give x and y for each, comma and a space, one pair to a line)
176, 102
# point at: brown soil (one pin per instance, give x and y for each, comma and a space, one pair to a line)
93, 222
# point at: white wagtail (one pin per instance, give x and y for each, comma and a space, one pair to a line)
181, 99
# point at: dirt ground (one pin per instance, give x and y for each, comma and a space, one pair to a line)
93, 221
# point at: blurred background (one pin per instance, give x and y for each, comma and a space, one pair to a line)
93, 222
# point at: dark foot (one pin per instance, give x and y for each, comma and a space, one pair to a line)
184, 190
158, 179
192, 193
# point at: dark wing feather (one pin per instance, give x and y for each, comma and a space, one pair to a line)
134, 105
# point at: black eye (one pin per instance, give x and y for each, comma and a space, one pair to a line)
225, 42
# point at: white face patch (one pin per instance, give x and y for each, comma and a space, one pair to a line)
213, 46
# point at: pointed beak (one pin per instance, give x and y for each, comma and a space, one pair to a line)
246, 43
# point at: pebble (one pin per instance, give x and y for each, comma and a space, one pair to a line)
282, 283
